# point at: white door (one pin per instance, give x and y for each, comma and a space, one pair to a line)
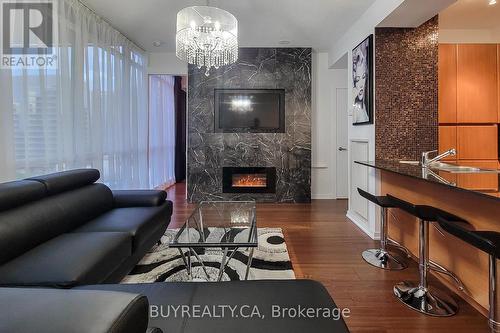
342, 144
359, 178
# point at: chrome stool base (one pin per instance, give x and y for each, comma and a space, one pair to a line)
383, 259
494, 325
435, 303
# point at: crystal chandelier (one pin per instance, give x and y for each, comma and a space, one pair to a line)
206, 36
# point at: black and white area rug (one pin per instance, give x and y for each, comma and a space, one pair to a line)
164, 264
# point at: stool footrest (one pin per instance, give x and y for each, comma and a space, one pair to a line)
494, 325
392, 242
440, 269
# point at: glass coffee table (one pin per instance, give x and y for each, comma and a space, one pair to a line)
228, 225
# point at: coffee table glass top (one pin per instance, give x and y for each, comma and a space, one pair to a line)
219, 224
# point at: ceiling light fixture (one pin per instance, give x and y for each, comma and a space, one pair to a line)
492, 2
157, 43
206, 37
284, 42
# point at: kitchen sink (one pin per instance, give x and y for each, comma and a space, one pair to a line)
453, 168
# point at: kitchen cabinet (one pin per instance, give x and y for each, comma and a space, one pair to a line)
447, 83
477, 83
478, 142
479, 181
448, 139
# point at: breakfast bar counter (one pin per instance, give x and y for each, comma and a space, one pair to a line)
469, 193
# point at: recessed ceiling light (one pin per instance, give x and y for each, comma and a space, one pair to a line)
284, 42
492, 2
157, 43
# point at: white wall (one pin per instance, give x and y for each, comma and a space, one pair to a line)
413, 13
360, 29
463, 36
361, 137
166, 63
325, 83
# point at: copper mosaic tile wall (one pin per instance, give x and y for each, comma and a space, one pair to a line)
406, 91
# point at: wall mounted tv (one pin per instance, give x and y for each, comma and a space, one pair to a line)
250, 110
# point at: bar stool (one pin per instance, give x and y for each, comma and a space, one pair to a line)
489, 242
380, 257
418, 296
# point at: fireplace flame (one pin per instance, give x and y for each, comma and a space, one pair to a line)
249, 181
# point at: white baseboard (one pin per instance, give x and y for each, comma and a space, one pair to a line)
361, 224
319, 196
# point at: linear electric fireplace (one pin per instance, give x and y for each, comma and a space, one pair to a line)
248, 180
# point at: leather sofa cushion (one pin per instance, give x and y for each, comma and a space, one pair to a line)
83, 204
55, 310
69, 260
67, 180
25, 227
139, 198
263, 294
18, 193
139, 222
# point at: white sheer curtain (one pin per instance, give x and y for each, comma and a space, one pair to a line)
161, 130
89, 112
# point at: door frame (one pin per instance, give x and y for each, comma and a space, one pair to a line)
337, 144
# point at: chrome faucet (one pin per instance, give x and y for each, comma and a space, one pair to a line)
427, 173
426, 161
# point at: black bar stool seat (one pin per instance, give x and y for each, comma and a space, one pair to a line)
486, 241
420, 296
382, 201
424, 212
381, 257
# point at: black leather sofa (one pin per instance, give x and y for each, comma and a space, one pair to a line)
278, 303
124, 308
64, 230
37, 310
64, 241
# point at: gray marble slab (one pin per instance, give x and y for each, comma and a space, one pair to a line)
289, 153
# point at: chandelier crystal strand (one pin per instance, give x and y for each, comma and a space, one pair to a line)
206, 37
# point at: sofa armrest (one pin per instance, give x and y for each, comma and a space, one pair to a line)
139, 198
61, 310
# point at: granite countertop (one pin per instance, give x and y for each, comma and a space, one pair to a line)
484, 183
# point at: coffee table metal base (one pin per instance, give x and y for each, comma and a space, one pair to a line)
188, 262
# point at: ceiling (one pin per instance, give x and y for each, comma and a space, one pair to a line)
470, 14
311, 23
413, 13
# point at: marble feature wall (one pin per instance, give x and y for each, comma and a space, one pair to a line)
290, 152
406, 91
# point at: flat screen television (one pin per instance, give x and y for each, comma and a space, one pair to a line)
250, 110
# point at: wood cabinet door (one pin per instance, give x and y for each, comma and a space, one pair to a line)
447, 140
477, 142
447, 83
479, 181
477, 90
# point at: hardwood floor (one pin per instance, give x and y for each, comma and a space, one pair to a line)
325, 246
